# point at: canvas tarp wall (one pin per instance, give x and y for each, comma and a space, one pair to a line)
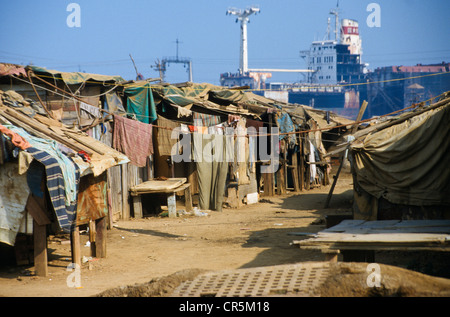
406, 163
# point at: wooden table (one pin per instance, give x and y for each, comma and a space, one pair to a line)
358, 239
170, 187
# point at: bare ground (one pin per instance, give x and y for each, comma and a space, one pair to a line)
153, 255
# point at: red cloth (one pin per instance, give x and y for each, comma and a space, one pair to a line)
134, 139
16, 139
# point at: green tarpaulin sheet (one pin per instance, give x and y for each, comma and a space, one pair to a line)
140, 102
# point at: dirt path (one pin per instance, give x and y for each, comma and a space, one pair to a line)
151, 248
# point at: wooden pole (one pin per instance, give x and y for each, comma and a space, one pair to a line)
125, 203
294, 172
301, 169
172, 205
40, 249
92, 234
75, 246
334, 182
360, 115
100, 237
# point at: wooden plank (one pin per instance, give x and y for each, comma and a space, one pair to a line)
170, 190
34, 126
100, 237
36, 210
137, 206
422, 223
155, 185
392, 238
360, 115
40, 249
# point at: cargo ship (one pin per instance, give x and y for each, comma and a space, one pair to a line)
337, 79
331, 65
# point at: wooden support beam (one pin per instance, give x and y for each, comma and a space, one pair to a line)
327, 202
92, 233
281, 180
125, 193
359, 117
172, 205
100, 237
40, 249
35, 207
331, 257
294, 172
137, 207
75, 246
188, 199
268, 184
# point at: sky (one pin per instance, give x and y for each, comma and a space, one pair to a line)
37, 32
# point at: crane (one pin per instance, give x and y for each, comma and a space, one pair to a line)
243, 17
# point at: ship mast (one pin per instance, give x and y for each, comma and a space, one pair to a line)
243, 16
335, 12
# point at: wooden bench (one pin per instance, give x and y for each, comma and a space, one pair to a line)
358, 239
185, 189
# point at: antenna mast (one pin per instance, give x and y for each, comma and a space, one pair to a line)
243, 16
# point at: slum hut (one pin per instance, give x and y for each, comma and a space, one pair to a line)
400, 164
320, 133
82, 100
53, 177
401, 186
196, 108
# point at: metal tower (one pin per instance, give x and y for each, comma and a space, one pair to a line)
243, 16
162, 66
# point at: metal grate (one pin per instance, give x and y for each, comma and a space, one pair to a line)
295, 280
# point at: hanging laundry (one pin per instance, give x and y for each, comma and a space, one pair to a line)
66, 212
212, 169
202, 129
164, 135
286, 125
133, 138
16, 139
183, 112
206, 120
66, 165
13, 199
95, 111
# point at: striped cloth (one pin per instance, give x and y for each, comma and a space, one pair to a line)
65, 213
206, 120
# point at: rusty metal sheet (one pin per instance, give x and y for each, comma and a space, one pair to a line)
92, 198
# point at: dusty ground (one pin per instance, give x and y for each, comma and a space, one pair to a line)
157, 253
